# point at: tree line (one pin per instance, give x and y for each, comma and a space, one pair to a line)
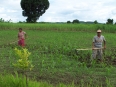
109, 21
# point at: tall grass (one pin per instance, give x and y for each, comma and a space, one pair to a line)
59, 27
10, 80
16, 80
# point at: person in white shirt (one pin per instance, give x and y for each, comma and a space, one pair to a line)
97, 43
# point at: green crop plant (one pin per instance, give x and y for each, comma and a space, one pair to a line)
23, 61
9, 80
108, 82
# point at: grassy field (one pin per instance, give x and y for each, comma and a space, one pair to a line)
54, 56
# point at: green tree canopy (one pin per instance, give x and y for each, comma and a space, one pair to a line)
109, 21
33, 9
68, 22
75, 21
95, 22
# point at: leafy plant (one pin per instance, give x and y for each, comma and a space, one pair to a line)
23, 61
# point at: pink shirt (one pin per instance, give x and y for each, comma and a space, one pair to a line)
21, 35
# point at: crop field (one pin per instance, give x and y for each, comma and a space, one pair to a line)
54, 55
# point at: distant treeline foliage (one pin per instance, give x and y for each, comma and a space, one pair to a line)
2, 20
109, 21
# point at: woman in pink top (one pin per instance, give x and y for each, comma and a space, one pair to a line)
21, 37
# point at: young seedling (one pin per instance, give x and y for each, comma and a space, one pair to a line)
23, 61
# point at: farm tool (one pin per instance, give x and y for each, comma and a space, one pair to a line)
77, 50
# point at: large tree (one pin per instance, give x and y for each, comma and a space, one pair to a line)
109, 21
75, 21
95, 22
33, 9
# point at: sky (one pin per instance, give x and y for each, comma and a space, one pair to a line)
64, 10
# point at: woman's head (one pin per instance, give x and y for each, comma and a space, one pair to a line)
20, 29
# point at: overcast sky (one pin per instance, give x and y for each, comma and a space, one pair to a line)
64, 10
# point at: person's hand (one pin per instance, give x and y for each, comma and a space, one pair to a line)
104, 47
25, 37
92, 48
19, 39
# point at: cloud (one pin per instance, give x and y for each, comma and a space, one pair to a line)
114, 11
80, 9
10, 9
1, 9
64, 10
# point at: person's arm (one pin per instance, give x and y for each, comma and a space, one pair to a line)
18, 37
104, 44
104, 41
25, 35
92, 45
